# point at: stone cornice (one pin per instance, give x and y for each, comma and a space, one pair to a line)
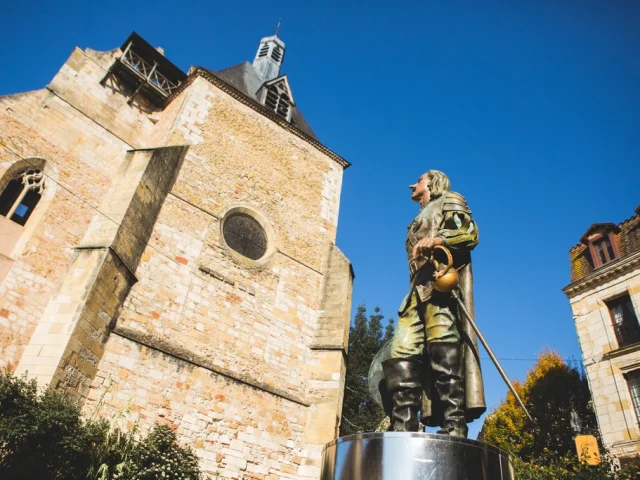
603, 274
258, 107
626, 443
618, 352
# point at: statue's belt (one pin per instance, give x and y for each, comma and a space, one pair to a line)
415, 265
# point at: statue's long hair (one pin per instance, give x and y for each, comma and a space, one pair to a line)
438, 183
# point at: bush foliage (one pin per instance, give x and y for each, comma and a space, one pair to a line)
42, 436
160, 456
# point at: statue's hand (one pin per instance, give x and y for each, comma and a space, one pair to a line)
424, 246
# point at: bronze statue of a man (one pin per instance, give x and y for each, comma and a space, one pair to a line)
434, 367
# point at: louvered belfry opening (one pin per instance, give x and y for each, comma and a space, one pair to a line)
263, 50
283, 106
269, 58
278, 100
276, 54
271, 101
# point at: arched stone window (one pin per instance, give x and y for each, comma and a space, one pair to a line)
21, 194
27, 189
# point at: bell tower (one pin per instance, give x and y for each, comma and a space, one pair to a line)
269, 58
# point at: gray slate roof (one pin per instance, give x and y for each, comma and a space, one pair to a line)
244, 78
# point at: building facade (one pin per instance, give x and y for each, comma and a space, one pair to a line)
605, 300
167, 248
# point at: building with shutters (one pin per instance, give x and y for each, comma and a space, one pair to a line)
167, 246
604, 294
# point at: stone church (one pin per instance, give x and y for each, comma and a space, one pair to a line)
167, 250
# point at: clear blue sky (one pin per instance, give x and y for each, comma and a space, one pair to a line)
531, 107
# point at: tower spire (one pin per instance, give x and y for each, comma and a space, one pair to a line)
269, 56
278, 26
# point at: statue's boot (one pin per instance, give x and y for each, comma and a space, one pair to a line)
447, 369
402, 376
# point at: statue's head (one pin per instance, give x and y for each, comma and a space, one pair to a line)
438, 183
429, 186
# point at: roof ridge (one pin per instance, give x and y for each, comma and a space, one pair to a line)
247, 100
633, 217
618, 225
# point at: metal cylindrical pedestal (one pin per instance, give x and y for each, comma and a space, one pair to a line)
413, 456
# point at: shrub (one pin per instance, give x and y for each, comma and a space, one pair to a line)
159, 456
569, 468
42, 436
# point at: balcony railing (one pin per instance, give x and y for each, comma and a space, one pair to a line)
147, 72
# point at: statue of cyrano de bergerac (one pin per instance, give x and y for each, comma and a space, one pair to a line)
431, 366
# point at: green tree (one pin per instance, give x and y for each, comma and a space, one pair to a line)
551, 392
366, 336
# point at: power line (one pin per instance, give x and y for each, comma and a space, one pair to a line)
512, 359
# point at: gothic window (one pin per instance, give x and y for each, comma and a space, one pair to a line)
624, 320
21, 195
245, 235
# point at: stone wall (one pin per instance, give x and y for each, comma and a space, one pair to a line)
606, 363
125, 292
81, 128
237, 432
82, 158
70, 338
255, 323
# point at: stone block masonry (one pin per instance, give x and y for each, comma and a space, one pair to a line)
126, 292
235, 430
605, 301
69, 340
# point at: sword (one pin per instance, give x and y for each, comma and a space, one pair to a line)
486, 346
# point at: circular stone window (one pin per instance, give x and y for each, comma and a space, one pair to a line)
245, 235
